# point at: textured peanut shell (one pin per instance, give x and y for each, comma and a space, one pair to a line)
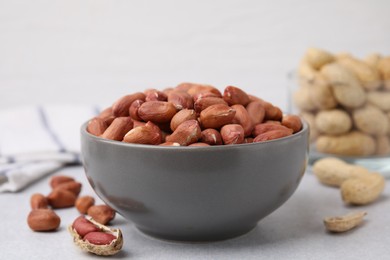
373, 59
310, 119
382, 145
364, 190
346, 88
380, 99
333, 122
384, 69
317, 57
368, 76
306, 72
302, 99
353, 143
344, 223
322, 97
333, 171
370, 120
111, 249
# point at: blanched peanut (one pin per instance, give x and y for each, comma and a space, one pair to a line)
333, 122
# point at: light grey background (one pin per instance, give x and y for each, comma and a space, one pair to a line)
94, 51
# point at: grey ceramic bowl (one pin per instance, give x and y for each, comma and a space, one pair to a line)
195, 193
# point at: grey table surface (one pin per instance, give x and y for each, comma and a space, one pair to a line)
294, 231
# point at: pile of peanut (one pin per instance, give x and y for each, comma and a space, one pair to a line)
193, 115
65, 193
358, 186
346, 102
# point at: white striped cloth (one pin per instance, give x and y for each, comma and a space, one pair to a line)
38, 140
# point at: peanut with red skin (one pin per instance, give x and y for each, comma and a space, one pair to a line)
198, 96
118, 128
201, 88
170, 144
271, 135
266, 127
256, 112
211, 136
83, 203
133, 110
232, 134
107, 116
243, 118
59, 179
72, 186
101, 213
121, 107
60, 198
181, 116
38, 201
181, 100
97, 126
155, 95
216, 116
186, 133
199, 144
157, 111
83, 226
203, 103
99, 238
43, 220
233, 95
143, 135
293, 122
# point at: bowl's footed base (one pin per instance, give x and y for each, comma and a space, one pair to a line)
197, 238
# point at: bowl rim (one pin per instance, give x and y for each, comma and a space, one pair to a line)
83, 131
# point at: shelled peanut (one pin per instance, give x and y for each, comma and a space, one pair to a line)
192, 115
346, 102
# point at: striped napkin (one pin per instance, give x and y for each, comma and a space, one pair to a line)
38, 140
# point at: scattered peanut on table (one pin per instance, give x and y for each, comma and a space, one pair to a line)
91, 234
357, 184
344, 223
